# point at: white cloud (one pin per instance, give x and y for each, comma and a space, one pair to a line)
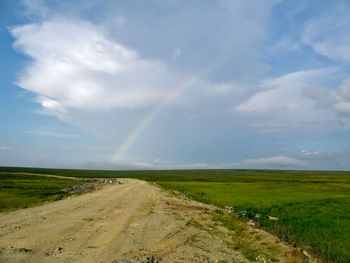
88, 79
76, 66
336, 160
156, 161
272, 162
282, 93
5, 148
342, 104
78, 71
285, 102
337, 100
329, 35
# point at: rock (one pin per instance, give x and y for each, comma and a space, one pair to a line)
183, 194
229, 209
306, 254
87, 187
59, 249
20, 250
251, 223
112, 181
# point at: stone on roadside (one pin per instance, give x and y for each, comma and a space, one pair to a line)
20, 250
112, 181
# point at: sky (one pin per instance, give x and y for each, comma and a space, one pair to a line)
197, 84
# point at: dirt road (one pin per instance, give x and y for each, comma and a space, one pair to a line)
132, 221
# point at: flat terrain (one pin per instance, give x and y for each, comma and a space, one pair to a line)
313, 207
133, 221
21, 190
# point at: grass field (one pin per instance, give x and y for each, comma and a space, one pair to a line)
313, 207
22, 191
310, 213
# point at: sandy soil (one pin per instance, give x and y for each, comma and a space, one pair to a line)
133, 221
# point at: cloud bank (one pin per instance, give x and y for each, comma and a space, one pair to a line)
77, 66
296, 100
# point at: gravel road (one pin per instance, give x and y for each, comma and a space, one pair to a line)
131, 222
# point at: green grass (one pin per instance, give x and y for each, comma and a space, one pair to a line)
313, 207
313, 211
22, 191
222, 175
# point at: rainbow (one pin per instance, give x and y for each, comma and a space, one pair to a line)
147, 119
150, 116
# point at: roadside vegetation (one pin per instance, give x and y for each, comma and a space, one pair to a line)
313, 210
21, 191
312, 207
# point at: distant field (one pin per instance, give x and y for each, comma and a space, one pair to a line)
22, 191
313, 207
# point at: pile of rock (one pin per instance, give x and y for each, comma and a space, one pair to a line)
88, 187
77, 188
109, 181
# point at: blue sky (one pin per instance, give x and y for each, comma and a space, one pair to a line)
181, 84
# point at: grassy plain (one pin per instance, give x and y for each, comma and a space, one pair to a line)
22, 191
313, 207
311, 214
